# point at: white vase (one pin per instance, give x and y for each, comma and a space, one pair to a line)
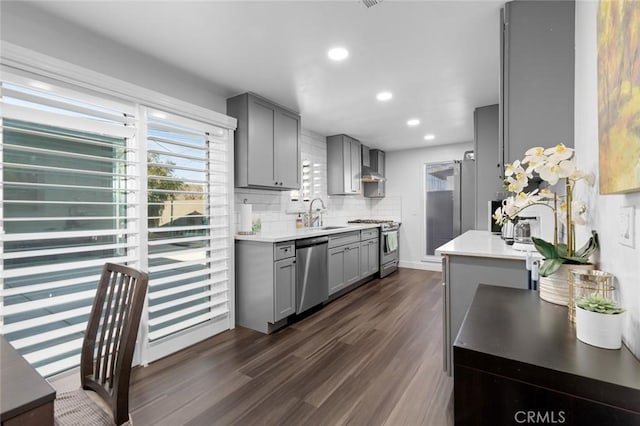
601, 330
555, 287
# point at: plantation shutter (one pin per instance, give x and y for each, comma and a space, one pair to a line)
189, 228
69, 204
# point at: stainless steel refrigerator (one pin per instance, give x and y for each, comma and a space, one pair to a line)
450, 200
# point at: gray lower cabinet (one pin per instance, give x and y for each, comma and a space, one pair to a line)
265, 275
352, 264
461, 276
284, 288
336, 269
344, 266
369, 257
267, 143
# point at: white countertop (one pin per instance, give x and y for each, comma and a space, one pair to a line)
482, 244
274, 237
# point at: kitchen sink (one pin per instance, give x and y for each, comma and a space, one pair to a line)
327, 228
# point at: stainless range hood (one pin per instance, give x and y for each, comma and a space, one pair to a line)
368, 174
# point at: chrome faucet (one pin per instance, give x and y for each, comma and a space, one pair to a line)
310, 218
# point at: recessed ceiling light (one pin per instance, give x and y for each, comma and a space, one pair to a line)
384, 96
413, 122
429, 137
338, 53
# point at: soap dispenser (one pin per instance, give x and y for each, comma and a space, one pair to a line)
299, 222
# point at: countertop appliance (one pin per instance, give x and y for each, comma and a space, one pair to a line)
312, 283
524, 229
389, 244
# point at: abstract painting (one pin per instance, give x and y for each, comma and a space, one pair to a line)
619, 95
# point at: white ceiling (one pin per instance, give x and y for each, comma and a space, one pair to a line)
439, 59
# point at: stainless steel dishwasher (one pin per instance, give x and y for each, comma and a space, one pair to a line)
312, 282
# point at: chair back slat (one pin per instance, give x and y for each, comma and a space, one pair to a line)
124, 298
115, 317
104, 321
111, 327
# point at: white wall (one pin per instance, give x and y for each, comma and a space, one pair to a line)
619, 260
405, 177
28, 27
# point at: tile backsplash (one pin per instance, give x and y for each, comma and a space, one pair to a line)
278, 213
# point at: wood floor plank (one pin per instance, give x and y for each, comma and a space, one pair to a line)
373, 356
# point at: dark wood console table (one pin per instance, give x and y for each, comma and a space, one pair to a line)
25, 397
517, 361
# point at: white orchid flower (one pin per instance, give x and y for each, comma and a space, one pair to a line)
558, 153
513, 168
497, 216
546, 193
549, 172
578, 212
534, 156
588, 177
516, 185
566, 168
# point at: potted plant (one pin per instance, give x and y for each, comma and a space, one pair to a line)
599, 322
549, 167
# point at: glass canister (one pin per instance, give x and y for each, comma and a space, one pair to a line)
586, 283
526, 228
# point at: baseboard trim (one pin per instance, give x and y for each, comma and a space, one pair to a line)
423, 265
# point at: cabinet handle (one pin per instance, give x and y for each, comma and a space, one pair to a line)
293, 261
346, 249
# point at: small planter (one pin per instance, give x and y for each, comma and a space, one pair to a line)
601, 330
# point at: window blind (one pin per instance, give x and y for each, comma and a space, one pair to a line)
188, 219
69, 202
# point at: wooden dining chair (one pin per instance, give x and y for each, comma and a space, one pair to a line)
107, 351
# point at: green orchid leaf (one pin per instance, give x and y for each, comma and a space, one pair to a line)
546, 249
575, 259
550, 266
561, 249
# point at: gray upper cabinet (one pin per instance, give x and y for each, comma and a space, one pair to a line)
488, 170
267, 144
343, 165
537, 47
377, 162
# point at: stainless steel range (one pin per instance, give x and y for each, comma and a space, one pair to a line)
389, 244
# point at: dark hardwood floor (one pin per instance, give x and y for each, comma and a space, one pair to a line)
373, 356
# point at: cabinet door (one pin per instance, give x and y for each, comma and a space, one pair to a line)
336, 269
261, 143
346, 166
365, 258
538, 83
284, 290
355, 167
488, 170
351, 264
374, 256
287, 159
